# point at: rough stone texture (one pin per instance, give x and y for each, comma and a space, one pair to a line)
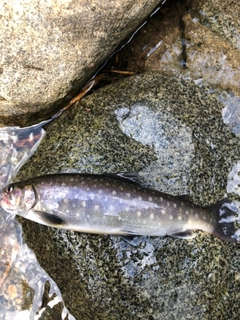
221, 16
49, 49
103, 277
199, 39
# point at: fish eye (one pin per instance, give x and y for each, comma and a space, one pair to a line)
10, 189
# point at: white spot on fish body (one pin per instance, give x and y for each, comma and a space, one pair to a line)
161, 198
140, 198
179, 218
83, 204
31, 137
88, 189
175, 205
187, 212
127, 209
196, 215
150, 199
152, 216
128, 195
14, 137
139, 213
170, 217
114, 192
65, 200
163, 211
111, 207
92, 196
168, 204
67, 211
63, 184
96, 207
100, 191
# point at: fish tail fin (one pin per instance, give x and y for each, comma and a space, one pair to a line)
226, 227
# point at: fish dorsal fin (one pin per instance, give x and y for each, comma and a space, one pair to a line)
185, 198
130, 177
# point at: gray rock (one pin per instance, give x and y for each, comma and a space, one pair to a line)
51, 49
170, 130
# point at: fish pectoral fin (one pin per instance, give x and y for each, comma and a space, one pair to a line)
187, 234
50, 219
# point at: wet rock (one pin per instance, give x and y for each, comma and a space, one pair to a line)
199, 39
171, 131
50, 50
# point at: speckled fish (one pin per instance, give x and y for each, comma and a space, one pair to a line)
106, 205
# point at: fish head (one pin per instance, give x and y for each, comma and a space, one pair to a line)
18, 198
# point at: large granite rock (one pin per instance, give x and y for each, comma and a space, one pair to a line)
172, 132
50, 49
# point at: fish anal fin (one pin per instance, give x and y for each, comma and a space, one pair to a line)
50, 219
187, 234
130, 240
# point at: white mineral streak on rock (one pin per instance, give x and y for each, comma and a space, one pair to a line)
233, 184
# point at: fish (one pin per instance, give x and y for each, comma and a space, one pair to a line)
115, 204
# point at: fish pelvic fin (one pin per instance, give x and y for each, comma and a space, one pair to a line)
187, 234
227, 225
